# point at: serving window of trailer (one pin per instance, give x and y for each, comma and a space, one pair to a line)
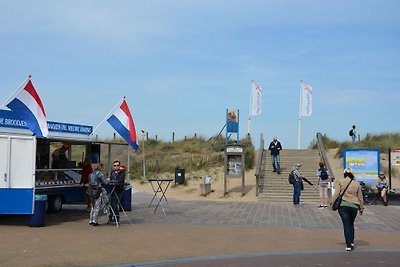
68, 172
52, 170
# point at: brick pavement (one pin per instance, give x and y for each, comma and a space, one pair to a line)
265, 214
201, 230
307, 259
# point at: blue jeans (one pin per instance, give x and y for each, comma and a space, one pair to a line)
348, 215
296, 192
276, 163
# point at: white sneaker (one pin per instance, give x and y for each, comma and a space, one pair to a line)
348, 249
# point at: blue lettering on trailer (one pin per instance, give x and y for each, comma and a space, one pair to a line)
10, 120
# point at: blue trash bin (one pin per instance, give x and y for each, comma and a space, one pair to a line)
38, 218
126, 200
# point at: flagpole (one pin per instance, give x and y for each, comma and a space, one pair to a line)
108, 115
299, 129
250, 108
16, 92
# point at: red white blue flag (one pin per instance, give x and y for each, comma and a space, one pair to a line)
28, 106
121, 120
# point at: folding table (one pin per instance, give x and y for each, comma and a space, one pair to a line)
160, 185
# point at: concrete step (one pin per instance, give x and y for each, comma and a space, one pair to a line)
276, 187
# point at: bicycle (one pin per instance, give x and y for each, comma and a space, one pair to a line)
106, 212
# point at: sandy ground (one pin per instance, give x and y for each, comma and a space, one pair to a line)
191, 190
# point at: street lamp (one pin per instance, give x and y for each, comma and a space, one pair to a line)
144, 159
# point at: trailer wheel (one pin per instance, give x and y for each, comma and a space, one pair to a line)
55, 203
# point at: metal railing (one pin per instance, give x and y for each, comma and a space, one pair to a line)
259, 165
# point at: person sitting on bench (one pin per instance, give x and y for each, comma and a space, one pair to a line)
382, 187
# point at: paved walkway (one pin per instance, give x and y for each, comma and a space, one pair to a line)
202, 233
265, 214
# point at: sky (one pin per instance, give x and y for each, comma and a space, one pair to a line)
181, 64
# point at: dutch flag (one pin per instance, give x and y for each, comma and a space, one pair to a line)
28, 106
121, 120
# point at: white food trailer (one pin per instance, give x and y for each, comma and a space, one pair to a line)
25, 164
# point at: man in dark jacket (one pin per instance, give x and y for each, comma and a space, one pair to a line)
117, 186
275, 147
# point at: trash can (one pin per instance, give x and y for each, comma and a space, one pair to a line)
205, 188
179, 175
126, 200
38, 218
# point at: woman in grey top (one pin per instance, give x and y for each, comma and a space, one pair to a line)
96, 180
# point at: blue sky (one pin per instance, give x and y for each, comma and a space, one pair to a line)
181, 64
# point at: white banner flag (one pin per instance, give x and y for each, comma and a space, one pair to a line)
306, 100
256, 100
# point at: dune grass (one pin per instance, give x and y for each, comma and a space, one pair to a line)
192, 154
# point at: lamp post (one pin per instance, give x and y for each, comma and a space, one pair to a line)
144, 158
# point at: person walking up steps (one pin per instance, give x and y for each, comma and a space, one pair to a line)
275, 147
323, 181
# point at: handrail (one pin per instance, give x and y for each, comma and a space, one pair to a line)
322, 154
259, 164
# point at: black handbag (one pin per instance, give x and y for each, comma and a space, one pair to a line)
93, 192
338, 200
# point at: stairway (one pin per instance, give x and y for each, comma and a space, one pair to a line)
276, 187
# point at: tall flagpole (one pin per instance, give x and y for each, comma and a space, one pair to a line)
299, 129
16, 92
108, 115
250, 107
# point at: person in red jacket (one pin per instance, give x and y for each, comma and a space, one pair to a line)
86, 171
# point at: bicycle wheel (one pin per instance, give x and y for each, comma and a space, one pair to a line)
104, 211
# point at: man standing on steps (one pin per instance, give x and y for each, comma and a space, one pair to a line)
275, 147
297, 184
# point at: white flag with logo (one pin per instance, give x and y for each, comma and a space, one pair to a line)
256, 100
306, 100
